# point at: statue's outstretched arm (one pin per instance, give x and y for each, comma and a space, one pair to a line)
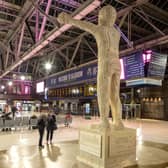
65, 18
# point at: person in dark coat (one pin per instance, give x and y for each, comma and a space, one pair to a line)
51, 126
14, 110
41, 127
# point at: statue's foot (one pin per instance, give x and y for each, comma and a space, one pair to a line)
104, 124
118, 125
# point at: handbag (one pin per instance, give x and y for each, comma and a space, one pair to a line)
55, 127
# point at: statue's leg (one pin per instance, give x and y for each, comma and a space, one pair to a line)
103, 86
115, 103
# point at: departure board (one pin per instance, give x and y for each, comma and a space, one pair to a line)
134, 66
157, 65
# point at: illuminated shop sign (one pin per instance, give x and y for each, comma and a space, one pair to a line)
82, 74
78, 75
40, 87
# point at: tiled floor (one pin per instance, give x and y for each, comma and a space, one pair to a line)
18, 149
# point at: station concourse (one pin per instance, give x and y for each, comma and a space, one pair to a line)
49, 67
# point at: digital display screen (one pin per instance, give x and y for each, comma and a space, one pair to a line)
134, 66
157, 65
40, 87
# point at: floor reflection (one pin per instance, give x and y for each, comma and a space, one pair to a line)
63, 155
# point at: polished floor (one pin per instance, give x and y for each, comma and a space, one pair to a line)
18, 149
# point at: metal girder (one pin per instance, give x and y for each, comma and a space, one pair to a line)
20, 41
58, 49
12, 50
156, 11
150, 23
25, 12
148, 44
30, 32
65, 57
87, 43
37, 25
123, 19
9, 5
86, 8
4, 21
2, 62
130, 7
4, 47
52, 19
137, 29
34, 66
7, 56
44, 19
75, 52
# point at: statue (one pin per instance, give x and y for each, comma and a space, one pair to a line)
108, 79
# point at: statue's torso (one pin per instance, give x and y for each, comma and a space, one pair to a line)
108, 43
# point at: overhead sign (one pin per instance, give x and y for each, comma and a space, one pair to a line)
78, 75
134, 66
74, 76
157, 65
40, 87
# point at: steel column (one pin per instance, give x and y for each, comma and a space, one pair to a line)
44, 19
20, 40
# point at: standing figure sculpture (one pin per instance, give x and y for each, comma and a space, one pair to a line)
108, 79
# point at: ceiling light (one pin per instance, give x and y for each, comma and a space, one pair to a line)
22, 77
47, 66
10, 83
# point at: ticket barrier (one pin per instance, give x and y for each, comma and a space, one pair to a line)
131, 111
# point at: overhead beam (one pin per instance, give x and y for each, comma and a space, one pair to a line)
44, 19
64, 56
87, 43
86, 8
25, 12
130, 7
8, 5
4, 21
155, 11
150, 23
7, 56
20, 41
145, 45
75, 52
30, 32
137, 29
2, 62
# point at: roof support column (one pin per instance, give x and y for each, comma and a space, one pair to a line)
20, 41
37, 25
44, 19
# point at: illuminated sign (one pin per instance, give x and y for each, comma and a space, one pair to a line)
84, 73
40, 87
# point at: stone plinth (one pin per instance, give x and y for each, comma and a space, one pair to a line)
107, 148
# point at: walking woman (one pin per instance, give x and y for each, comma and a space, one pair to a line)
51, 126
41, 127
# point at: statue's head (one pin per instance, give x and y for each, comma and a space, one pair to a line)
107, 16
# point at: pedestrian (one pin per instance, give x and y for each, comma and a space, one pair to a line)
68, 119
51, 126
41, 127
14, 110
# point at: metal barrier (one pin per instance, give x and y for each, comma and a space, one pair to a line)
26, 122
130, 111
